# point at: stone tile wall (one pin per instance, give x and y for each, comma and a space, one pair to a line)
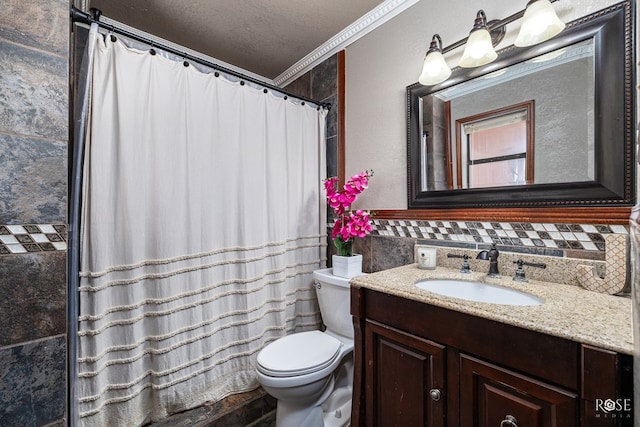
34, 132
321, 84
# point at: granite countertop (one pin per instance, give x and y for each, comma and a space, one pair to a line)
569, 312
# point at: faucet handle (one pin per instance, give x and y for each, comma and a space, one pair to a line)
465, 269
520, 276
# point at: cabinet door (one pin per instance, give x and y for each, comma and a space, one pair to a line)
494, 396
607, 388
404, 379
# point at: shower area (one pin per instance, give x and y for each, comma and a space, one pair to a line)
196, 221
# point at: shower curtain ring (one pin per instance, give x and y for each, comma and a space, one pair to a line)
96, 13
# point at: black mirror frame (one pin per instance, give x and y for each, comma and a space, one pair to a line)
613, 32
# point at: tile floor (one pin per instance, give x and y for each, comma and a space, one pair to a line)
251, 409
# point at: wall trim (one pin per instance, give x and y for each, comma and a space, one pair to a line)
342, 128
579, 215
29, 238
365, 24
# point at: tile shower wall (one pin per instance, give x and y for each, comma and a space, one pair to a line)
34, 116
321, 84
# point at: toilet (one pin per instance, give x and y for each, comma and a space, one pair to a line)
311, 373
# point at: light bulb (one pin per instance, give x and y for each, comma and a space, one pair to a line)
478, 50
539, 23
434, 70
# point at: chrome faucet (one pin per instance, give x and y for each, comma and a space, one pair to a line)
491, 255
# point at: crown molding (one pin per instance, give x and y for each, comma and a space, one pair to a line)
368, 22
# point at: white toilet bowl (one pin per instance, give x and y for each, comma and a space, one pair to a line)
303, 390
311, 373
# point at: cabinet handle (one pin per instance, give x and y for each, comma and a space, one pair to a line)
435, 394
509, 421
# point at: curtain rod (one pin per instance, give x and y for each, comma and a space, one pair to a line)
79, 16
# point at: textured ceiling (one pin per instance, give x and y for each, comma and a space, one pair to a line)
265, 37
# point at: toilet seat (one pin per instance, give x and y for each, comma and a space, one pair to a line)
298, 354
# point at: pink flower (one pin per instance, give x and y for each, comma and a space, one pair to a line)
353, 224
336, 229
346, 199
342, 229
341, 201
356, 224
335, 203
330, 185
360, 224
345, 232
357, 183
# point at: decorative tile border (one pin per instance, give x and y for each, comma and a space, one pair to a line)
539, 235
21, 239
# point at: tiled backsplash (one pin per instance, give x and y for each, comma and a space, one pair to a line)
21, 239
528, 235
562, 247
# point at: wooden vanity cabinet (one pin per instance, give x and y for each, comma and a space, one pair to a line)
405, 377
420, 365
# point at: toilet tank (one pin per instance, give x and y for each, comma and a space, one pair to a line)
334, 299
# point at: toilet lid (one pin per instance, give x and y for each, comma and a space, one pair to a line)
298, 354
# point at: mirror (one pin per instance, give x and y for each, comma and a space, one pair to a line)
569, 102
502, 128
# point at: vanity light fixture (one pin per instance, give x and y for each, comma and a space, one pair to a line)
540, 23
479, 49
435, 69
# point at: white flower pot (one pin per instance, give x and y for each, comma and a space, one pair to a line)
347, 266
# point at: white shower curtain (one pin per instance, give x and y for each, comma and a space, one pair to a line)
202, 222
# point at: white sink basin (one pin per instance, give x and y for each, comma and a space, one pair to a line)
478, 292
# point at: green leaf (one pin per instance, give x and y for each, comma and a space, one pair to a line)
344, 248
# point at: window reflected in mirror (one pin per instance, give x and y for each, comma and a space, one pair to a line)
495, 148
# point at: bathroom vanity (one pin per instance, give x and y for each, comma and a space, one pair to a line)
422, 359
